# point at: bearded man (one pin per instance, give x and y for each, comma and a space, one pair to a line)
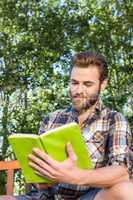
105, 132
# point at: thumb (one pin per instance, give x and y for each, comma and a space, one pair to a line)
71, 153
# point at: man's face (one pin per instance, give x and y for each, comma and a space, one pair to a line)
85, 87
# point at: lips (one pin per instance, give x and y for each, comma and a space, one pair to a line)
78, 98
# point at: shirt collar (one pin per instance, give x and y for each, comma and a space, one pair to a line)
98, 108
99, 105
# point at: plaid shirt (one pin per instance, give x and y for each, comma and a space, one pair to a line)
105, 132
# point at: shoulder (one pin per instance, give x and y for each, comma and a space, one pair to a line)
54, 119
57, 114
115, 118
109, 114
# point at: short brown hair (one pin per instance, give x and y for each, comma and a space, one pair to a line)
85, 59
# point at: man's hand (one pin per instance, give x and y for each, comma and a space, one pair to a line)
63, 172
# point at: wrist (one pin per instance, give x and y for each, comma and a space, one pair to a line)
84, 176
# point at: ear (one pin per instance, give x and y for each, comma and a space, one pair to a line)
104, 84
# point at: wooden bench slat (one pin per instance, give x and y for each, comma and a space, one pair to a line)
10, 181
5, 165
9, 167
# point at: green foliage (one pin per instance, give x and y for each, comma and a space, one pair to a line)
37, 40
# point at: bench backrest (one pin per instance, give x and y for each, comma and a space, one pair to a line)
9, 167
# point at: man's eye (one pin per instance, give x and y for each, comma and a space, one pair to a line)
88, 84
74, 83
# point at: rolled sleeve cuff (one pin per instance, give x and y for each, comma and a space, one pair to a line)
121, 159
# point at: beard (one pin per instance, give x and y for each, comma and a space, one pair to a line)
83, 102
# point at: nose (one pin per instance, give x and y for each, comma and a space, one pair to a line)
80, 88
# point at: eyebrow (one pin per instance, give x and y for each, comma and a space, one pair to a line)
91, 82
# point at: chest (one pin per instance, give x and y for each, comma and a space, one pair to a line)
95, 137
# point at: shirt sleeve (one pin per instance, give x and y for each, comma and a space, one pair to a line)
44, 125
119, 142
52, 120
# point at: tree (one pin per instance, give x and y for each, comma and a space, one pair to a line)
37, 40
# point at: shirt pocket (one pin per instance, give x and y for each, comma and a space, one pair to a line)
96, 146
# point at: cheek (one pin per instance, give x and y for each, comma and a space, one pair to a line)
72, 89
95, 92
91, 92
71, 93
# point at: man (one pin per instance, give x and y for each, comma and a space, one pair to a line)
105, 132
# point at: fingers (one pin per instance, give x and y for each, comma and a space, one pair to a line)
40, 171
41, 168
43, 164
37, 162
45, 158
71, 152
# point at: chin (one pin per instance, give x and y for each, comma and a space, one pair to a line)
77, 107
82, 108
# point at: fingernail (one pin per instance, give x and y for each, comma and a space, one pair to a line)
34, 149
30, 163
29, 156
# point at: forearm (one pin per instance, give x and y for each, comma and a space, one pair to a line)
68, 172
105, 177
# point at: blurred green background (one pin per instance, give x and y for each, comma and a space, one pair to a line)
37, 40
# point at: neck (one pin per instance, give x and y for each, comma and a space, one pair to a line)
84, 115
